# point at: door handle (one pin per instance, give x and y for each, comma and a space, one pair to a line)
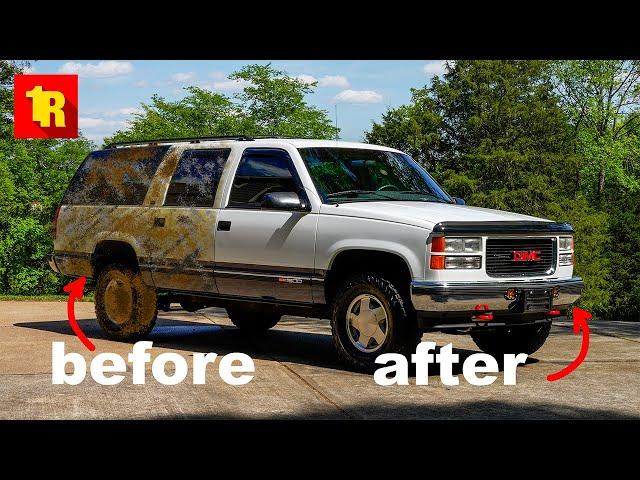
224, 226
158, 222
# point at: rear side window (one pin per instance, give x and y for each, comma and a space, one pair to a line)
118, 176
196, 178
261, 170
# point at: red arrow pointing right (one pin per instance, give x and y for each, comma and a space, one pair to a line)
580, 318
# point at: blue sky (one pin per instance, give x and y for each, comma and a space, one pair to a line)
111, 91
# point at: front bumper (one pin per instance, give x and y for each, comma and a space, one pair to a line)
462, 298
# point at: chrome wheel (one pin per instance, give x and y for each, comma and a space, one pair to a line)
118, 300
367, 323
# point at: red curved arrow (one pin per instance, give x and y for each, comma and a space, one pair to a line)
76, 290
580, 318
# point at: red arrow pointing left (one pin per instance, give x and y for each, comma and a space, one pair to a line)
76, 290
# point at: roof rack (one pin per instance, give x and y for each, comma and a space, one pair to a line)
239, 138
178, 140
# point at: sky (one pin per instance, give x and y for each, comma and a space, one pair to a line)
111, 91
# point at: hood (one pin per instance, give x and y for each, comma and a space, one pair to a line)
422, 214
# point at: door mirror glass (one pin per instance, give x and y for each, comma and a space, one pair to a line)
282, 201
459, 201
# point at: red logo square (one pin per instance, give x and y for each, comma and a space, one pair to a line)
45, 106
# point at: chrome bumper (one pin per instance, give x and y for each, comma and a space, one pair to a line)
462, 297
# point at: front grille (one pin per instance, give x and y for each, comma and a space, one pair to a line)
500, 263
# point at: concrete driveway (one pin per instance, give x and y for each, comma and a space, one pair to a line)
298, 375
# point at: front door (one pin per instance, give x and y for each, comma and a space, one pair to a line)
262, 253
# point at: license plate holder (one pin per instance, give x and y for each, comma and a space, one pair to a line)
537, 300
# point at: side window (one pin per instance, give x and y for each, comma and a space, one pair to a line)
119, 176
261, 170
195, 180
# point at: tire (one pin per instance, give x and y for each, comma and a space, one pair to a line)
517, 339
253, 319
126, 308
356, 337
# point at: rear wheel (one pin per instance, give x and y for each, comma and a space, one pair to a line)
371, 317
254, 319
125, 306
515, 339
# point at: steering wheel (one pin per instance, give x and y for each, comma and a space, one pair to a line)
387, 187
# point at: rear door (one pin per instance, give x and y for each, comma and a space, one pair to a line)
182, 242
263, 253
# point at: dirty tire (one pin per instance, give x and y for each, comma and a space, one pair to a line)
520, 339
253, 319
402, 334
126, 308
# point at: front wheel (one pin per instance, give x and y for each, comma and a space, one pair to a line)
371, 317
515, 339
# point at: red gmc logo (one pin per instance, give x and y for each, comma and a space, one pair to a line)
526, 256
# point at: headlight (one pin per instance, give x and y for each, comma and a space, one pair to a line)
566, 244
565, 259
462, 245
464, 263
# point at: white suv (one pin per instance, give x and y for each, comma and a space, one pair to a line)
357, 233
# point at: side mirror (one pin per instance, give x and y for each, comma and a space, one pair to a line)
283, 201
458, 201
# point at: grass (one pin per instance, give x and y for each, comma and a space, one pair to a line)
88, 297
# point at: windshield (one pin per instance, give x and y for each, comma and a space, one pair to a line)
362, 175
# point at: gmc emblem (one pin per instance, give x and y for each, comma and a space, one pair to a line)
526, 256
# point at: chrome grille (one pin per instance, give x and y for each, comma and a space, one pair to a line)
500, 263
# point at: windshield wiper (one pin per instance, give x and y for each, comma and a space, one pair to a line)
356, 193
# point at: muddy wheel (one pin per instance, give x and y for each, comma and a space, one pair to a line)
125, 306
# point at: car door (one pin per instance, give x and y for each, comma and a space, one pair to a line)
184, 225
259, 252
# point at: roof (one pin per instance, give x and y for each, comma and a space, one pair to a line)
263, 141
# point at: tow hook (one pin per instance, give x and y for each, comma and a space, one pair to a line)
482, 313
553, 313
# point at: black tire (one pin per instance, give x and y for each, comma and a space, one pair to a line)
254, 319
516, 339
126, 308
402, 334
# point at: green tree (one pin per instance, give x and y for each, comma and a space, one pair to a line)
602, 100
33, 177
271, 103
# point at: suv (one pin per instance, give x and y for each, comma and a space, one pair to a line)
357, 233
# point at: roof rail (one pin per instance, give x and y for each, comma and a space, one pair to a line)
239, 138
178, 140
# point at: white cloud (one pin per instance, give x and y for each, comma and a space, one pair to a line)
141, 84
308, 79
183, 77
229, 85
218, 75
357, 96
105, 69
337, 81
98, 123
439, 67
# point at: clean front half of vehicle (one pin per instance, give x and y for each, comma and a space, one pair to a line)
357, 233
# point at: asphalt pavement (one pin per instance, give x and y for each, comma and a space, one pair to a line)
298, 374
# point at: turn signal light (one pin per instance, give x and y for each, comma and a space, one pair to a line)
437, 244
437, 262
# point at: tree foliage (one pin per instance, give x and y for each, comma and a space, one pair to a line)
270, 103
33, 178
